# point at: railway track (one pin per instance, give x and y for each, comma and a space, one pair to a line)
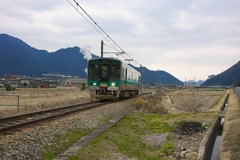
14, 123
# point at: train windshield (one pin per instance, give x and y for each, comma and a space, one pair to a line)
104, 73
104, 69
115, 69
93, 69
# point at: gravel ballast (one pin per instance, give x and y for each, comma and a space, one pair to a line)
29, 142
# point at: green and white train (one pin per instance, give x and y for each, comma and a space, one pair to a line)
110, 78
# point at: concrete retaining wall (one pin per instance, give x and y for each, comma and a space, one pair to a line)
206, 146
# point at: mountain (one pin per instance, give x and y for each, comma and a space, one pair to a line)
19, 58
149, 76
226, 78
194, 82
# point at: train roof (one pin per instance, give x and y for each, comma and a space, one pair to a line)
107, 58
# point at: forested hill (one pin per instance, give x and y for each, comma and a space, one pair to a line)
226, 78
19, 58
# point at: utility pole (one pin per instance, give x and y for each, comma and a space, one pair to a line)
185, 83
101, 49
194, 82
141, 80
157, 79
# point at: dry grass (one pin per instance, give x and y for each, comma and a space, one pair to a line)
192, 100
229, 148
39, 99
151, 104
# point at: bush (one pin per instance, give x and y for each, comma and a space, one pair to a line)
151, 105
8, 87
83, 86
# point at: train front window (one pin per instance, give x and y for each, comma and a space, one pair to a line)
115, 69
104, 71
92, 69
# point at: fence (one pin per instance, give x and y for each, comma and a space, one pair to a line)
11, 95
237, 93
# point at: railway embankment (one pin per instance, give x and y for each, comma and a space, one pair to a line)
45, 140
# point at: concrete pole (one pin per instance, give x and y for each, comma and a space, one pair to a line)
141, 79
101, 49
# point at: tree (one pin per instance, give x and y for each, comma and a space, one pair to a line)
83, 86
24, 84
237, 83
8, 87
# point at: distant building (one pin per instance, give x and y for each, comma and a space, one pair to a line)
76, 82
10, 77
19, 82
49, 83
2, 80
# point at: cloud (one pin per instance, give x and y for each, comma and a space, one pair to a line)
184, 38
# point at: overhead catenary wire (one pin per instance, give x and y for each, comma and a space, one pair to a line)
92, 25
113, 47
98, 25
108, 39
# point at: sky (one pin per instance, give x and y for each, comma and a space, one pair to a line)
190, 39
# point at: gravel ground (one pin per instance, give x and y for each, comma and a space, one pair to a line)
29, 143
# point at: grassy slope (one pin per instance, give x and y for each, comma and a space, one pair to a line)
124, 139
230, 144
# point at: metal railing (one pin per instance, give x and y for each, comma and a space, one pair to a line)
237, 94
11, 95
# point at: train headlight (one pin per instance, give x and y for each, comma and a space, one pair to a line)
113, 84
94, 83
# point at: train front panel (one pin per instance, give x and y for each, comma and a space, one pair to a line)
104, 78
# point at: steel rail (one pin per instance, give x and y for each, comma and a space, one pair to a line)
5, 119
49, 117
55, 113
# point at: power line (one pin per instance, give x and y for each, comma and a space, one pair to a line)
98, 25
90, 23
103, 32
